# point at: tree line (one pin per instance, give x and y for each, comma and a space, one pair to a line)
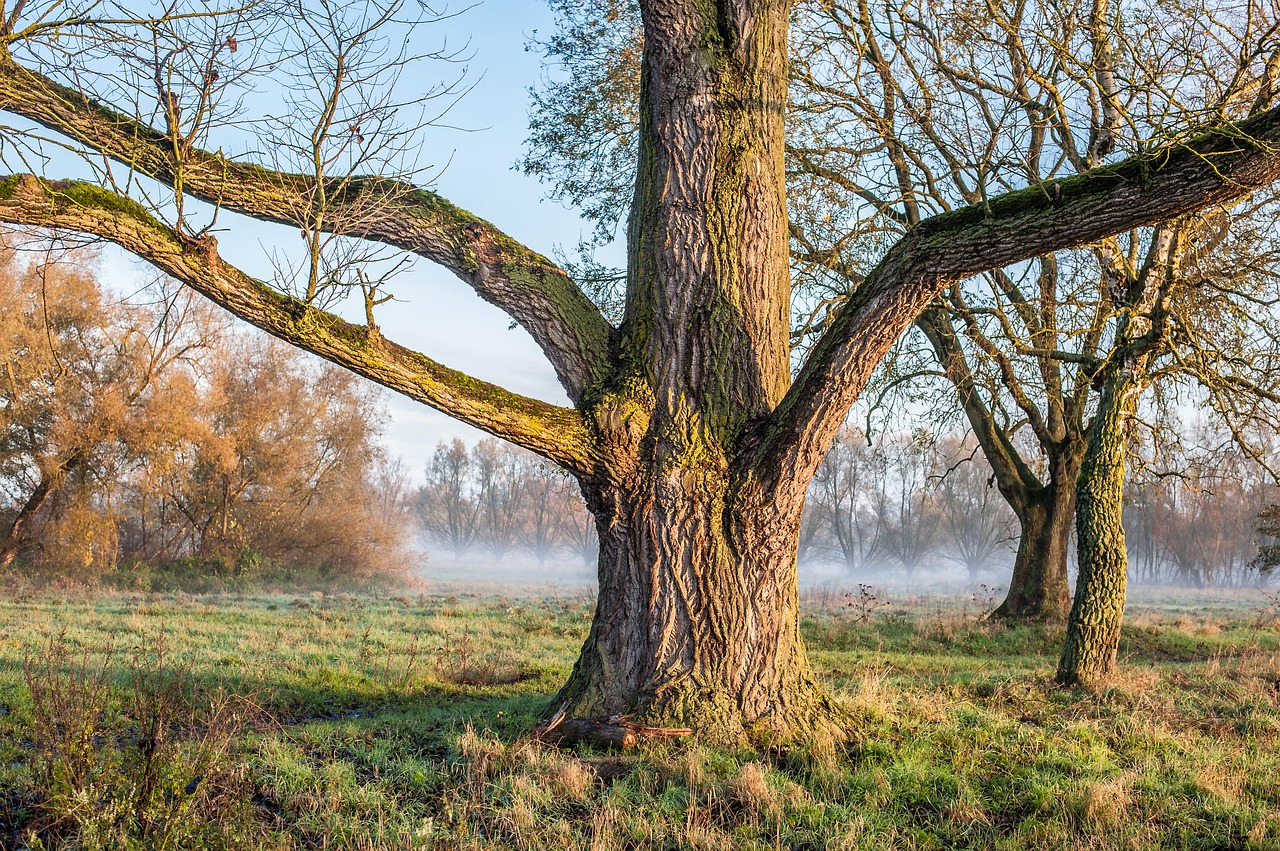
499, 499
1193, 515
145, 431
894, 502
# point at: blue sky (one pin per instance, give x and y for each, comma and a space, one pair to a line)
445, 319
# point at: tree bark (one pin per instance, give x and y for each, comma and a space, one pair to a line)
1093, 627
697, 619
1038, 588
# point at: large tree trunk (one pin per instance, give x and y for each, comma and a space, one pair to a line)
1093, 628
696, 622
1038, 588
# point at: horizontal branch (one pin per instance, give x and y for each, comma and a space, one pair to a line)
1216, 168
524, 284
556, 433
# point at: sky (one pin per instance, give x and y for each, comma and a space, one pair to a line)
445, 319
435, 313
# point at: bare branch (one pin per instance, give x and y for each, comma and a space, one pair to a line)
556, 433
526, 285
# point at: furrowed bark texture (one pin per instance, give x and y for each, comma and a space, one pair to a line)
697, 619
697, 622
1093, 627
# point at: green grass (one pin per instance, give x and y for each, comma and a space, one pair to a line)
345, 722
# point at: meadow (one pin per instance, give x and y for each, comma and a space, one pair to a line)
401, 722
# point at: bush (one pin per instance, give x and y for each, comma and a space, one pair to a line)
143, 757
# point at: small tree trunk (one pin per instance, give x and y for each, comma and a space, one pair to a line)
1093, 628
17, 538
1038, 588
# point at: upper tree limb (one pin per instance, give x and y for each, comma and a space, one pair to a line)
556, 433
1215, 168
527, 286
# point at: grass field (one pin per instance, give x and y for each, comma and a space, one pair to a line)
344, 722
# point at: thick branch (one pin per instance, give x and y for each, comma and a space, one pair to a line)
1216, 168
557, 433
527, 286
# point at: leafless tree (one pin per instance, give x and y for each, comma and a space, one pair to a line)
977, 525
448, 506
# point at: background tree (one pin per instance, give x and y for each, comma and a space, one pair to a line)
547, 511
447, 507
502, 494
842, 496
85, 381
910, 514
185, 440
282, 460
976, 524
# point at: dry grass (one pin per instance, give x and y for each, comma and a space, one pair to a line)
961, 739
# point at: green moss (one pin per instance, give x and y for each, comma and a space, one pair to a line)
9, 185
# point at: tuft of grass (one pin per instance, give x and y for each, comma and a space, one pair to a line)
136, 757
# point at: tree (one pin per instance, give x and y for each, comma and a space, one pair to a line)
975, 522
85, 380
1158, 300
841, 494
907, 506
691, 438
502, 495
142, 429
547, 511
277, 456
447, 507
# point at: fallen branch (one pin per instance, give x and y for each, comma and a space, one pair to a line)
614, 732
